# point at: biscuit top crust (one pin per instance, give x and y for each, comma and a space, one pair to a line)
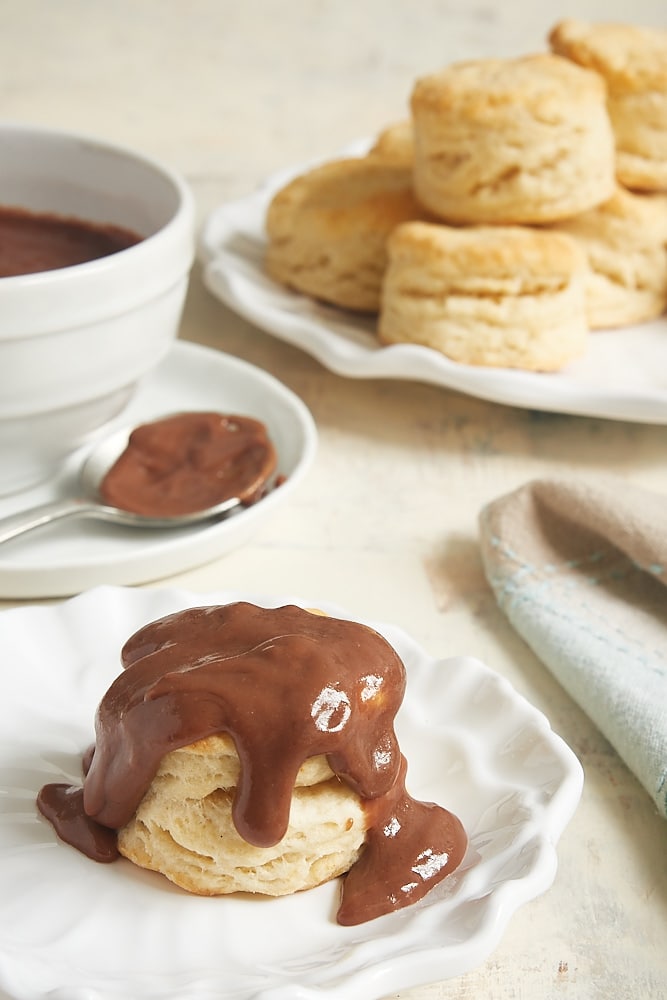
343, 194
496, 252
478, 90
629, 57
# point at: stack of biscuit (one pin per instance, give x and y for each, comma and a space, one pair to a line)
522, 205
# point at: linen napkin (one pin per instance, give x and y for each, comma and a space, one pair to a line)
580, 570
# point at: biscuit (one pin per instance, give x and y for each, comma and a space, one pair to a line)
633, 62
327, 229
183, 827
500, 296
513, 141
624, 241
395, 142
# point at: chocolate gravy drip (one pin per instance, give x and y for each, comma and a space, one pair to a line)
63, 807
35, 241
286, 685
410, 847
188, 462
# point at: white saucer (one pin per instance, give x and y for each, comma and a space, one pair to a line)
623, 374
70, 928
68, 557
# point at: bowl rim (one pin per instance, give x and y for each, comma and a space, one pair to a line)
177, 236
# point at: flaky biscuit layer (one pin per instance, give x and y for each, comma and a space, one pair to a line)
498, 296
183, 828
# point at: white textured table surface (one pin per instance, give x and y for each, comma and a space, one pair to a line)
386, 522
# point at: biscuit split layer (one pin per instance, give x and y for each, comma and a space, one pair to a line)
183, 827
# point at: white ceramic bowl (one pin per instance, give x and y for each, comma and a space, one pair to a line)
74, 341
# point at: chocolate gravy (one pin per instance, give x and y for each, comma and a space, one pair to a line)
286, 685
35, 241
189, 462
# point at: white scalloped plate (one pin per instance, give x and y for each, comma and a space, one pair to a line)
70, 556
74, 930
622, 376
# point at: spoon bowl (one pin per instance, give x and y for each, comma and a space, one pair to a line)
89, 504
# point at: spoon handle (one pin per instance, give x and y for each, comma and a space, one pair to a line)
36, 517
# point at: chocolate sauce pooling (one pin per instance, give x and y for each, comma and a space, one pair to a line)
38, 241
189, 462
286, 685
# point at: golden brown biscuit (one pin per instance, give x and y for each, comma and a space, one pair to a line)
328, 228
633, 62
624, 242
501, 296
183, 827
395, 142
512, 141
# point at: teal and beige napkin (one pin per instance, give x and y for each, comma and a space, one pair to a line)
580, 570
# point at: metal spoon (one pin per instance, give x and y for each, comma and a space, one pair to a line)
97, 463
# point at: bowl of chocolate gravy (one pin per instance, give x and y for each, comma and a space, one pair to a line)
96, 246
